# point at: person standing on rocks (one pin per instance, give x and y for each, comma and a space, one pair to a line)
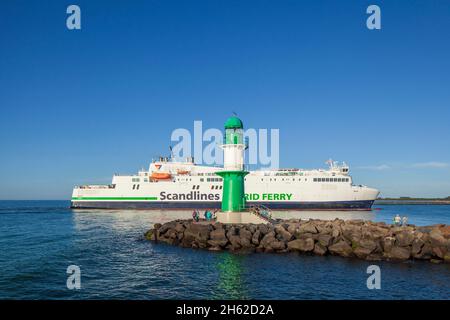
404, 221
195, 215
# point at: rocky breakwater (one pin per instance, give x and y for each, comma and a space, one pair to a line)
351, 238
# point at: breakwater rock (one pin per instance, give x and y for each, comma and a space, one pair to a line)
350, 238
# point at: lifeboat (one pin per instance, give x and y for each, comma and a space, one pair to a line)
161, 175
182, 171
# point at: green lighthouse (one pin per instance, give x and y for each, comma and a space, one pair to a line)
233, 197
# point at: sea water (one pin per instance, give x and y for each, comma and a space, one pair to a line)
40, 239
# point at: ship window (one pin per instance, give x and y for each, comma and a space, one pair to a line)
134, 186
137, 187
315, 179
327, 179
193, 187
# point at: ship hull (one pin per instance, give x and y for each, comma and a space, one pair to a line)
162, 205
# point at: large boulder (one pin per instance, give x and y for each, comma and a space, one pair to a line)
171, 234
438, 242
398, 253
322, 227
325, 239
283, 234
267, 240
341, 248
233, 237
179, 227
150, 234
256, 237
198, 233
336, 232
319, 249
425, 252
440, 252
218, 238
299, 235
245, 238
292, 227
416, 247
370, 244
303, 245
375, 232
363, 248
166, 226
157, 226
404, 238
308, 227
264, 229
277, 245
362, 252
351, 232
388, 244
437, 238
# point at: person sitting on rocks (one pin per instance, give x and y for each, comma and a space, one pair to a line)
397, 220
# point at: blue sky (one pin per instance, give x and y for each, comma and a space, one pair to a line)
78, 106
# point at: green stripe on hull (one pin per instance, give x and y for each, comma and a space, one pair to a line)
114, 198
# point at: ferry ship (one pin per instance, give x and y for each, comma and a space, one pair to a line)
171, 184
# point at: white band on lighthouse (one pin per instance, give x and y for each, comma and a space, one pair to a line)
233, 157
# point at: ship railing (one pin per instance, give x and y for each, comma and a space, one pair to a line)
109, 186
262, 212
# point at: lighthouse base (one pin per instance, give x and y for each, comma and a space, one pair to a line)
240, 217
